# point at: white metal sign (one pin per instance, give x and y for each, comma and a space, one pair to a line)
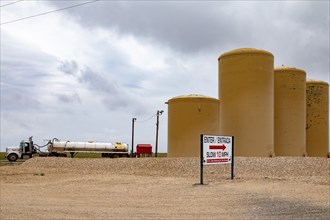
217, 149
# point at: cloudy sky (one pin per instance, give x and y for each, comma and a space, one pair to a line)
82, 73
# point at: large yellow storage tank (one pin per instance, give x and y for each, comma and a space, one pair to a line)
246, 92
188, 117
317, 118
290, 111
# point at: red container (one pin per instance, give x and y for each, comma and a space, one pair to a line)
144, 149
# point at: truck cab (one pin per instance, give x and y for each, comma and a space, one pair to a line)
25, 148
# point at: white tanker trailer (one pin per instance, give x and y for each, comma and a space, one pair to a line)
59, 148
116, 149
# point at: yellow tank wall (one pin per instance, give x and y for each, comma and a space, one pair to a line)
317, 118
246, 93
188, 118
290, 111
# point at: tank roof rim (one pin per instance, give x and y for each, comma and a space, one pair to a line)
286, 68
310, 81
245, 51
192, 97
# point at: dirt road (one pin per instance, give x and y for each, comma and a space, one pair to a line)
165, 188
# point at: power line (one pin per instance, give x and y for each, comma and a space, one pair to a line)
48, 12
148, 119
11, 3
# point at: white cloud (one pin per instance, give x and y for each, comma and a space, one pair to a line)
80, 101
141, 54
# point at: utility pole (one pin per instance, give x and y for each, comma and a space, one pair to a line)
133, 120
159, 112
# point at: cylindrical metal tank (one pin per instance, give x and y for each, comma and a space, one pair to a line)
68, 146
290, 111
188, 117
246, 93
317, 118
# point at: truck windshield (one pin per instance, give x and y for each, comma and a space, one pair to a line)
25, 147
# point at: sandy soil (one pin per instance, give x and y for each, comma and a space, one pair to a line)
165, 188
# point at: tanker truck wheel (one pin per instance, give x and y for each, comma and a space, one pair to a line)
12, 157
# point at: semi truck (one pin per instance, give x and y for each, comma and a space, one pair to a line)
60, 148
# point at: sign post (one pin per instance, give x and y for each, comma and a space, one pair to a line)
216, 150
201, 160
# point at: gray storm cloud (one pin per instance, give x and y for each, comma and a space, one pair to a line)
296, 32
185, 26
22, 79
195, 25
69, 67
113, 96
69, 98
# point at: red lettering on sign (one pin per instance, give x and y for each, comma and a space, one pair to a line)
217, 160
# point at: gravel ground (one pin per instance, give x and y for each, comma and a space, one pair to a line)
307, 169
166, 188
